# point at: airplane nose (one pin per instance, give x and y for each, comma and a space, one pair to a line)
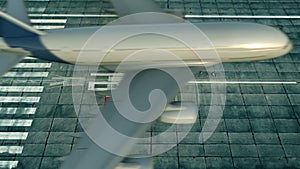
236, 42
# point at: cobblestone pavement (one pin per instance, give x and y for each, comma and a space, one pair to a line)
260, 126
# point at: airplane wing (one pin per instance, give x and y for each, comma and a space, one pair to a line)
89, 155
129, 7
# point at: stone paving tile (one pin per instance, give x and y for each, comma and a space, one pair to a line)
217, 138
288, 75
293, 162
235, 112
290, 138
29, 162
45, 111
262, 125
282, 112
243, 150
292, 89
270, 151
219, 162
273, 162
233, 89
166, 162
286, 67
287, 125
36, 138
266, 138
67, 98
292, 150
50, 163
241, 138
191, 137
265, 67
217, 150
264, 118
297, 111
57, 150
294, 99
238, 125
220, 128
65, 111
41, 124
234, 99
192, 163
251, 89
258, 112
277, 99
246, 75
254, 99
49, 98
194, 150
64, 124
244, 67
60, 138
33, 150
268, 75
246, 162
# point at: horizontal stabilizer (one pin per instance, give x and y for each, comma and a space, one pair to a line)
8, 60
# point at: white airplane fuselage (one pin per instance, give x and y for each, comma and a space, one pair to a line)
233, 42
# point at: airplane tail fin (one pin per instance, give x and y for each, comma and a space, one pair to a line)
15, 22
17, 9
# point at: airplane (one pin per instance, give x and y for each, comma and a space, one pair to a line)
233, 42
